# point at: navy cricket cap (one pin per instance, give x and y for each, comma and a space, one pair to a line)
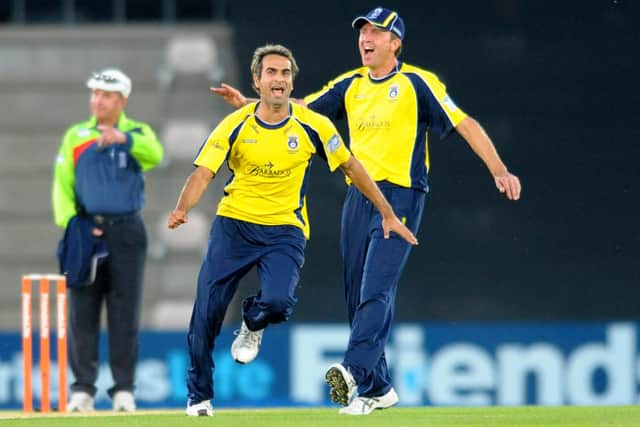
383, 18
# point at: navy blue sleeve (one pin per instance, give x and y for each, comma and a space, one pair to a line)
330, 101
429, 109
315, 139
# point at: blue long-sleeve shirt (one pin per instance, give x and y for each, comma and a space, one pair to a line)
109, 180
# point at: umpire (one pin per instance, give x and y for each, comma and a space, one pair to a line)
99, 175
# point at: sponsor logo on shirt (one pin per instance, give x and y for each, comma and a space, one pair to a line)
334, 143
449, 103
249, 141
83, 133
268, 170
217, 145
372, 122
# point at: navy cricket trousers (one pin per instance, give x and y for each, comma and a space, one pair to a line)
372, 268
234, 248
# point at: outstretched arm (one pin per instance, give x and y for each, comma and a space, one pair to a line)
191, 193
235, 98
481, 144
361, 179
231, 95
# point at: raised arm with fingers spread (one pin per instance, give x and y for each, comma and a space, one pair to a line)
231, 95
192, 191
361, 179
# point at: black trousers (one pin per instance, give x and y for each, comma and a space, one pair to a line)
118, 284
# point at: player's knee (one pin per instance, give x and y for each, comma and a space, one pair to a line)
377, 299
279, 309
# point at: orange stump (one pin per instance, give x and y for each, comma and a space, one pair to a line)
61, 320
27, 346
45, 340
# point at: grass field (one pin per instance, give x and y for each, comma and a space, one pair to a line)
329, 417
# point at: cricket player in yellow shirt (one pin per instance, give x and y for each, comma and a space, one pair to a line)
262, 219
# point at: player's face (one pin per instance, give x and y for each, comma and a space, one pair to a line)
377, 48
276, 80
106, 106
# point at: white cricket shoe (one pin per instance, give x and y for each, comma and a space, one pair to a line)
123, 401
342, 384
246, 346
80, 401
202, 409
365, 405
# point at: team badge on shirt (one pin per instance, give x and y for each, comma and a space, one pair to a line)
394, 91
83, 133
122, 159
292, 143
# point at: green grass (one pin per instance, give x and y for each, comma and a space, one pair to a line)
329, 417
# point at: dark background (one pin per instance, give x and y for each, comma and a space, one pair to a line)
555, 86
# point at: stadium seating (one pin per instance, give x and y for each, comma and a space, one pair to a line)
42, 77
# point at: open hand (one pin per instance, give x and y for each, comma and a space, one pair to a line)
395, 225
230, 94
508, 184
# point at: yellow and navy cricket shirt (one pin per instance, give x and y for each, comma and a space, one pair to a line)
270, 163
389, 119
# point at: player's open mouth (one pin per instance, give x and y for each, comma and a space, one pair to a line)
278, 91
367, 52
